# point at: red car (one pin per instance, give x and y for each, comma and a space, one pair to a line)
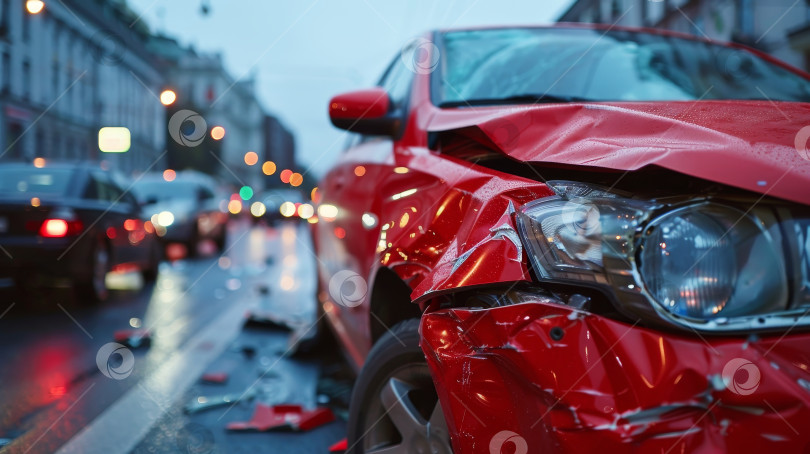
573, 238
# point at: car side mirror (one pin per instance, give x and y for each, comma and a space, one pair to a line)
364, 112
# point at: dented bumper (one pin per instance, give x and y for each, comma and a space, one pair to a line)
547, 378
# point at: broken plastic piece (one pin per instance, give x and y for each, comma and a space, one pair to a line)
290, 417
340, 446
201, 403
133, 338
215, 377
267, 320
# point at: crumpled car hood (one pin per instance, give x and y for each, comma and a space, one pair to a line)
746, 144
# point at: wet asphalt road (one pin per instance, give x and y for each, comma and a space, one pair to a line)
59, 394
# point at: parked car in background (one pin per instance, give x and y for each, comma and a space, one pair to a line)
573, 239
282, 204
187, 209
66, 221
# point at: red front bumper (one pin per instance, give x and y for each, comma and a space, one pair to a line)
541, 377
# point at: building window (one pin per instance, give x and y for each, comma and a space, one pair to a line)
6, 82
5, 18
746, 17
26, 76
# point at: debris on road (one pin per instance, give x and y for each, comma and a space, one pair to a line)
215, 377
340, 446
202, 403
133, 338
289, 417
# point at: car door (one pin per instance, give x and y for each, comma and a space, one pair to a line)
348, 231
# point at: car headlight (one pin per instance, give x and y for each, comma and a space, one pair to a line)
700, 263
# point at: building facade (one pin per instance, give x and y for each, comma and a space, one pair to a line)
76, 67
205, 87
779, 27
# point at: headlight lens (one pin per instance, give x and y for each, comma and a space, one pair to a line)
703, 265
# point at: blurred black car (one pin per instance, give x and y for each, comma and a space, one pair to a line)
186, 210
71, 221
281, 204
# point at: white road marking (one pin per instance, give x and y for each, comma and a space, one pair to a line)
122, 426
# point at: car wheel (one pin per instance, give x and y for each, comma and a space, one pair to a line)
151, 272
93, 289
394, 406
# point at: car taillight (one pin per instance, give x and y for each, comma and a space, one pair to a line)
58, 228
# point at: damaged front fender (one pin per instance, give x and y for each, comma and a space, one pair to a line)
563, 380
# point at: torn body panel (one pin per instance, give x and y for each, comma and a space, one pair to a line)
570, 381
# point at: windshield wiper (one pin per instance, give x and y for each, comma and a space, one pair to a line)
529, 98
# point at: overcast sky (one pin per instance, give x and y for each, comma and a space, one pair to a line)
304, 52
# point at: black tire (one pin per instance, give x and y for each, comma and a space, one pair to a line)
92, 289
150, 273
394, 399
221, 240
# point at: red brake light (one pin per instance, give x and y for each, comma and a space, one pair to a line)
54, 228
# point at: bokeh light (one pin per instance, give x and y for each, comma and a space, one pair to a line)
296, 179
168, 97
305, 211
269, 167
34, 6
35, 202
246, 192
39, 162
285, 175
340, 232
217, 132
315, 195
169, 175
400, 169
251, 158
234, 206
359, 171
287, 209
257, 209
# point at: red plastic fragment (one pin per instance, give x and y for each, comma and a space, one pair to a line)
340, 446
215, 377
291, 417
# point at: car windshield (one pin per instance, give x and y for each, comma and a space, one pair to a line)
496, 66
23, 182
158, 191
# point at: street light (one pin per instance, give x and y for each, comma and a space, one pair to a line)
168, 97
217, 132
34, 6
